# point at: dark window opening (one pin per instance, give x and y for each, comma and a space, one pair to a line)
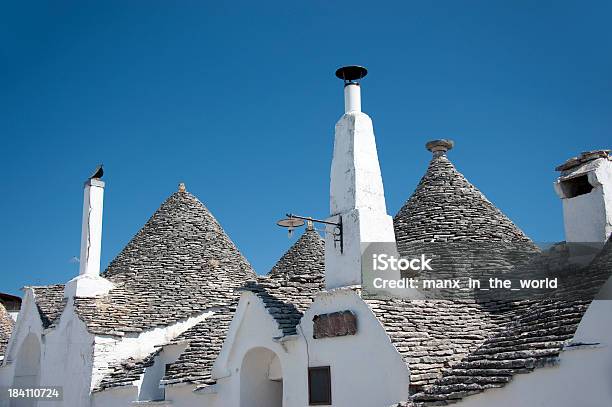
576, 186
319, 386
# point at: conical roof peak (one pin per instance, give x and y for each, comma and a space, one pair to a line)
181, 233
303, 262
446, 207
179, 264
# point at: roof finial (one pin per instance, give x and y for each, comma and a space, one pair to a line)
440, 147
351, 75
182, 187
98, 172
309, 225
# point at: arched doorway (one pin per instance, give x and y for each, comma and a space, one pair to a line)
27, 369
261, 379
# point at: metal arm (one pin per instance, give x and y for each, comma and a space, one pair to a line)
338, 240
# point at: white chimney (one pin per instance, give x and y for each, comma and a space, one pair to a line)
91, 229
352, 97
585, 188
89, 283
357, 198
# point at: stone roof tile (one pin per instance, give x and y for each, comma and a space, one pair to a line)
6, 328
50, 302
204, 342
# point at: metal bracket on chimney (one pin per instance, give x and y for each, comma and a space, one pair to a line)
337, 233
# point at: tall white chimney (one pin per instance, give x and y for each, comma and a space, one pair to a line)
585, 188
89, 283
91, 229
357, 197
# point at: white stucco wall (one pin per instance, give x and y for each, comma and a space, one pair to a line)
66, 353
116, 397
588, 217
184, 396
251, 327
584, 217
366, 360
150, 388
583, 376
256, 387
363, 361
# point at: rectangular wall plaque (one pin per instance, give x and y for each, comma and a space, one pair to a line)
341, 323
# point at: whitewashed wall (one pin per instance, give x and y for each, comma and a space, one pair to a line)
66, 353
588, 217
366, 360
252, 327
117, 397
77, 360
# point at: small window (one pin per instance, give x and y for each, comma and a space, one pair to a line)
319, 386
576, 186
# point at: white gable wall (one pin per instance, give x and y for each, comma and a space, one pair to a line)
253, 327
68, 349
28, 321
366, 368
66, 353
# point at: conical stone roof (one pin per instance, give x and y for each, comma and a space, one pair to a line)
178, 265
303, 263
446, 207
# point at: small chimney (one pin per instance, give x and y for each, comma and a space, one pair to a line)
91, 228
88, 282
351, 75
585, 188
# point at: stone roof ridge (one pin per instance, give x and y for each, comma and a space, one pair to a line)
445, 207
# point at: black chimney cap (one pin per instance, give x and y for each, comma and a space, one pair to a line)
351, 73
98, 172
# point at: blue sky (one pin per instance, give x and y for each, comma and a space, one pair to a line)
240, 102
